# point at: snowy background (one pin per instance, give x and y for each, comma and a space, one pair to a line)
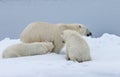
100, 16
105, 52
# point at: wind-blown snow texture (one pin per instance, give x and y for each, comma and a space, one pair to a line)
105, 52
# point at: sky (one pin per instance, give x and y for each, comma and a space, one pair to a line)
100, 16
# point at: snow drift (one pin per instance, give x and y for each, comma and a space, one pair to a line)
105, 52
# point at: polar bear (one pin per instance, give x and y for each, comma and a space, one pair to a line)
25, 49
43, 31
77, 48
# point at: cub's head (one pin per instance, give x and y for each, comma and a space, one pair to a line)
66, 34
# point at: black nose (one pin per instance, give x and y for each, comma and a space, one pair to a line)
89, 34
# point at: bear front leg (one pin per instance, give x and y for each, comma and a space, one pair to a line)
57, 47
67, 58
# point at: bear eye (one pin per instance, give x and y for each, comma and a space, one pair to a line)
79, 26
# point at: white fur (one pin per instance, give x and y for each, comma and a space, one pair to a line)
42, 31
76, 47
25, 49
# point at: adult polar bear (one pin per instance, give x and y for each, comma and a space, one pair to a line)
46, 32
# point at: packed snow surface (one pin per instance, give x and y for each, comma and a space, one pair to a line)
105, 53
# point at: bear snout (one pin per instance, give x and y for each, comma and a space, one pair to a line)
89, 34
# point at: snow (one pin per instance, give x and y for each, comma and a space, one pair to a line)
105, 52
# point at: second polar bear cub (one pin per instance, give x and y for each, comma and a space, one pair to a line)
76, 47
25, 49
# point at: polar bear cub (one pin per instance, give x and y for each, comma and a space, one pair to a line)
76, 47
25, 49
